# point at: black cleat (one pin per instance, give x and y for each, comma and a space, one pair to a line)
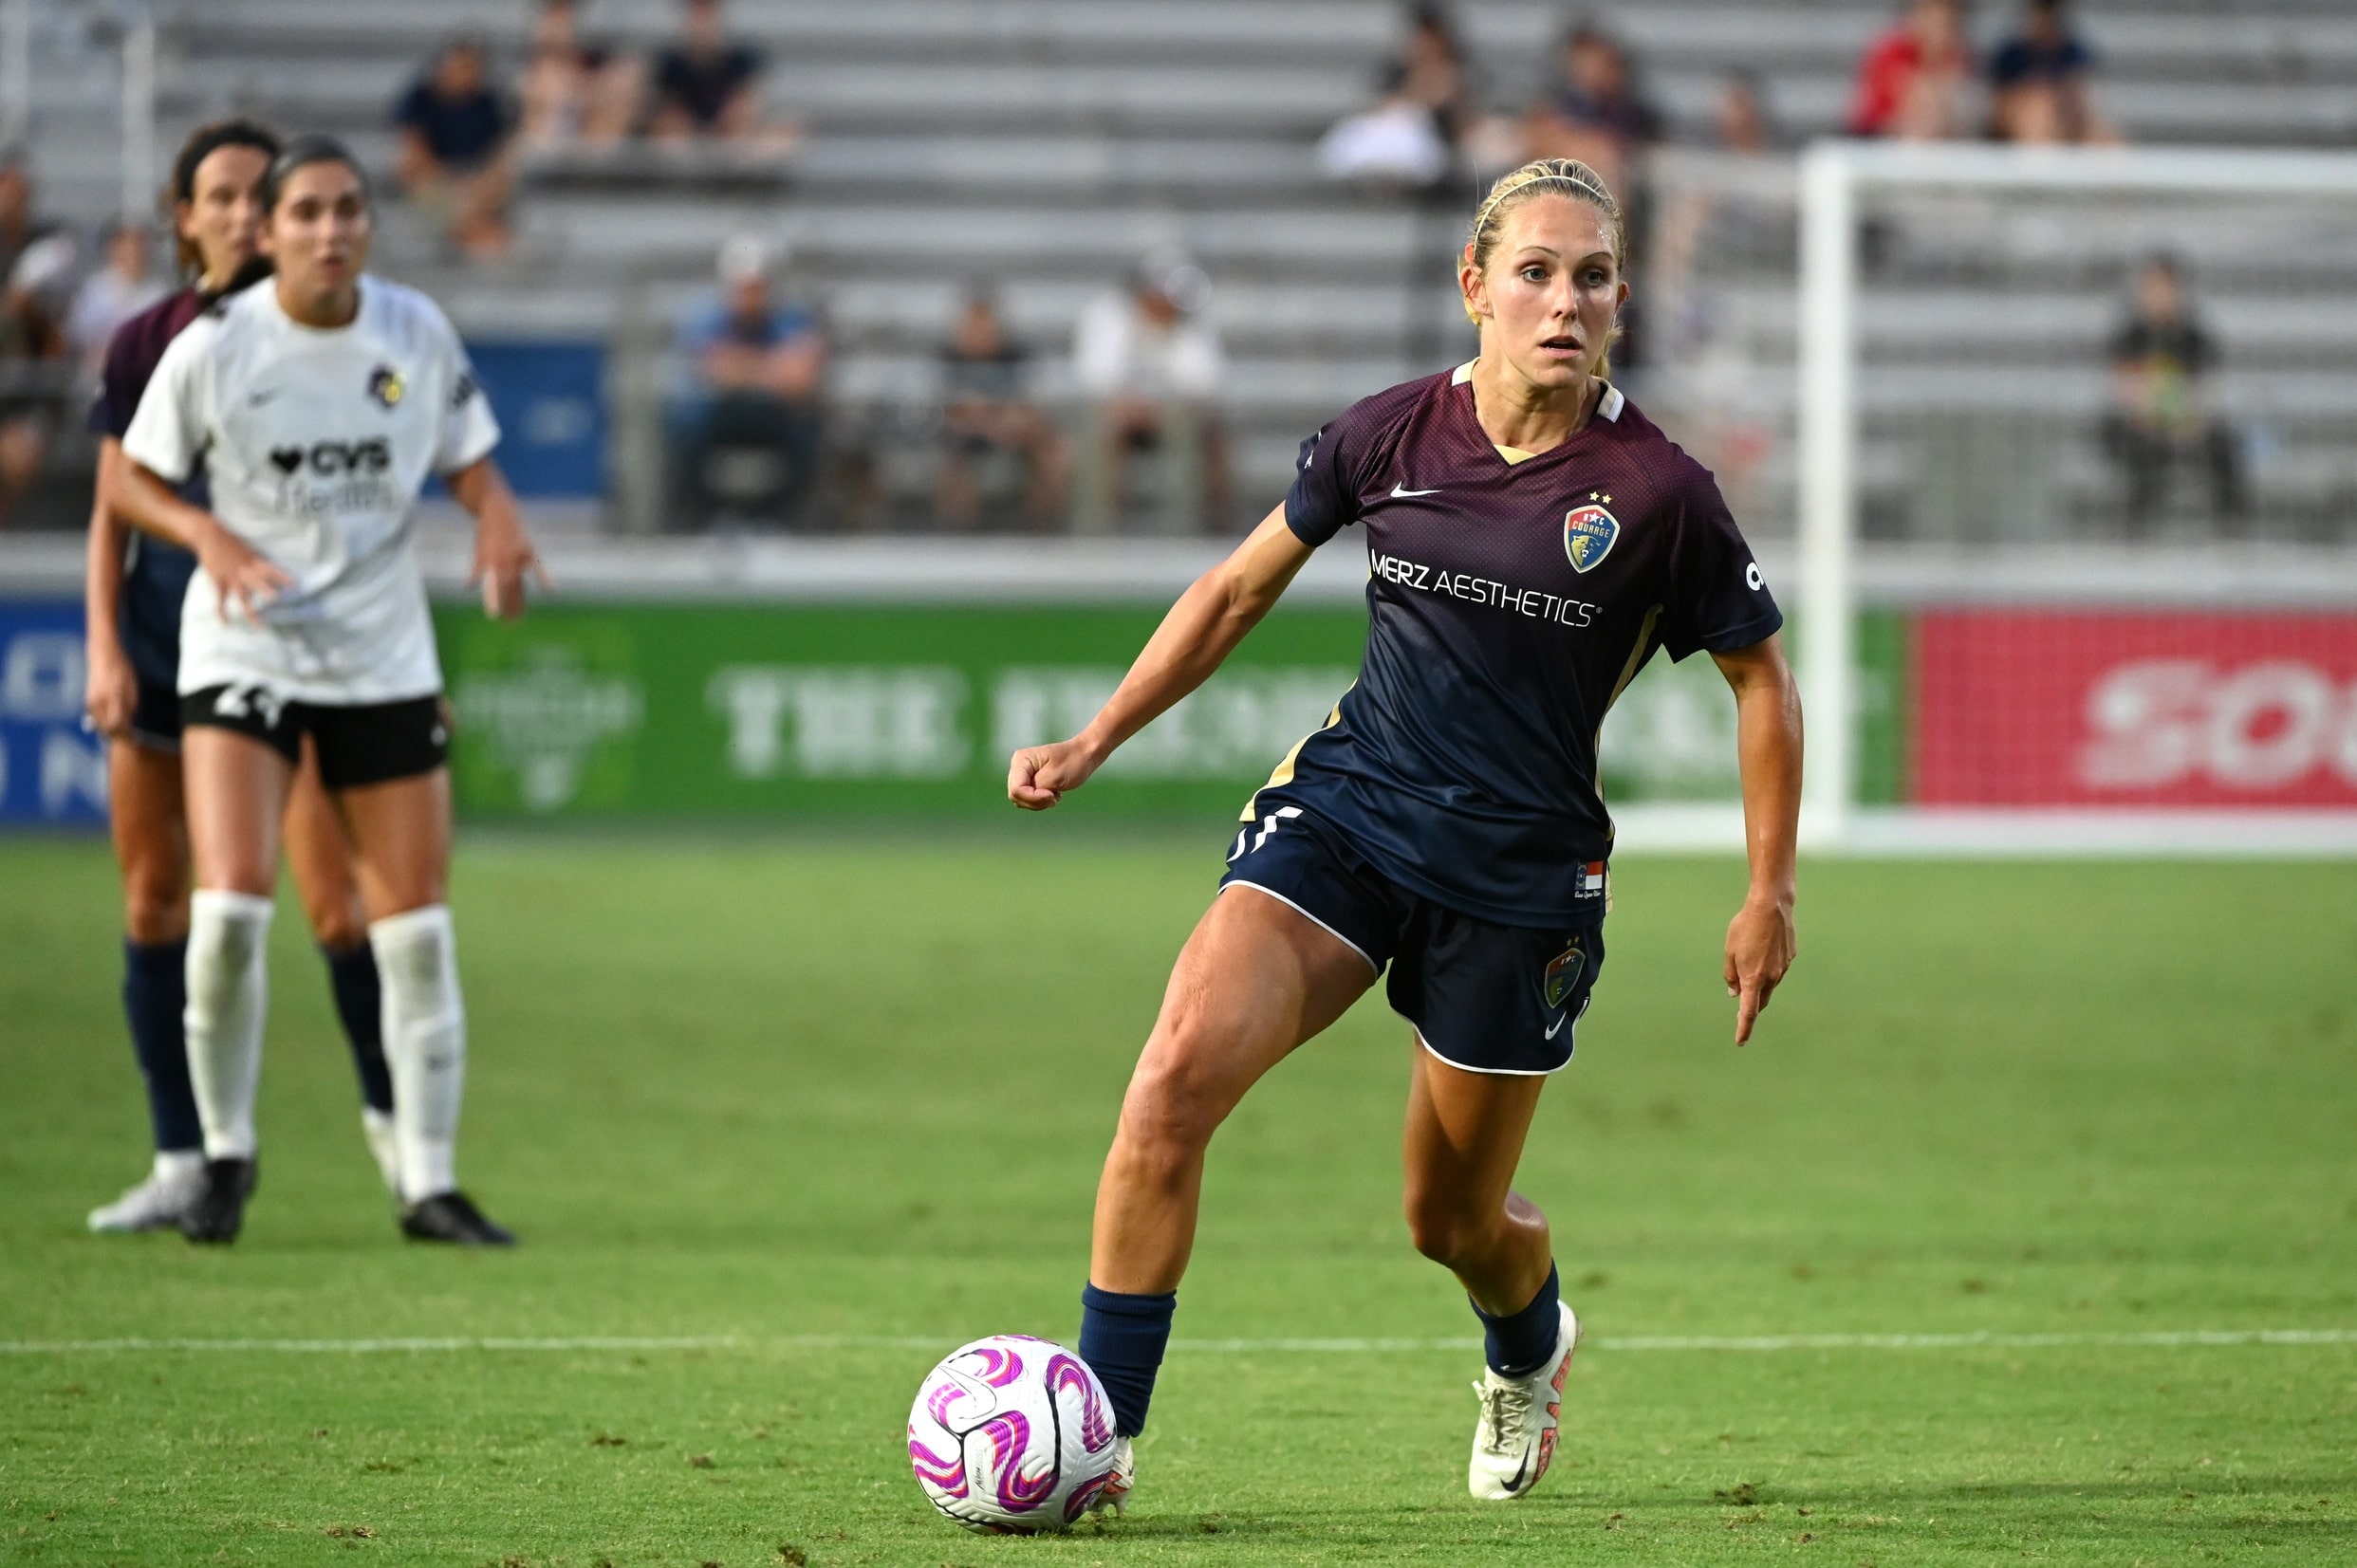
453, 1217
219, 1210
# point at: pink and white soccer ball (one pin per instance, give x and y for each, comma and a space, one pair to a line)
1012, 1435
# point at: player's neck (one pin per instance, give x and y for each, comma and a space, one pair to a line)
1516, 412
323, 311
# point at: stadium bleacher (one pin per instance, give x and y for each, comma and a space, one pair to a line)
1046, 144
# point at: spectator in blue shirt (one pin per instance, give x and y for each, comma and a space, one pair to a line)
2038, 83
746, 420
455, 124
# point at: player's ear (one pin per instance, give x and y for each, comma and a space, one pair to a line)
1469, 284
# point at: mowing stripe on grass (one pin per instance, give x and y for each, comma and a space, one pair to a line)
1754, 1342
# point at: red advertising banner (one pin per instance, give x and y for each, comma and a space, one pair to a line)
2146, 707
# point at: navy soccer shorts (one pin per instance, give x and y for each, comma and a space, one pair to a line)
1484, 997
373, 743
156, 717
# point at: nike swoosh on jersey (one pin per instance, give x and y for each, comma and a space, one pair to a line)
1399, 494
1556, 1025
257, 399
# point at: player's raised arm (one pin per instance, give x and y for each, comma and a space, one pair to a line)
1201, 631
1762, 943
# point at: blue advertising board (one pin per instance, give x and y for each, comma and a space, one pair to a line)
550, 398
52, 771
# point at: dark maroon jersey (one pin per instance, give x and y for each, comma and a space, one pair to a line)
155, 574
1510, 603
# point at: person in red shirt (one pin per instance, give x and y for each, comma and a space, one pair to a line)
1913, 77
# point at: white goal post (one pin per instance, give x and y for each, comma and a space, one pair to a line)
2285, 564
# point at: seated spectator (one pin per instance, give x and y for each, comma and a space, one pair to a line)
2038, 83
1397, 142
1913, 79
453, 159
1434, 72
576, 94
1743, 124
1597, 115
708, 89
2159, 360
119, 290
36, 258
986, 414
746, 421
1149, 357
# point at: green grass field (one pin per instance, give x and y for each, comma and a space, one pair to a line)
774, 1090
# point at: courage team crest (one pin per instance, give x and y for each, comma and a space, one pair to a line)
386, 386
1588, 533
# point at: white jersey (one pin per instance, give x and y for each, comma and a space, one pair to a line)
315, 443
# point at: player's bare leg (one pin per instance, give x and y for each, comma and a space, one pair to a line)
145, 810
1255, 979
237, 789
1465, 1133
1464, 1138
319, 853
401, 831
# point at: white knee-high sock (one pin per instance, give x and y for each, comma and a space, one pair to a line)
425, 1044
228, 992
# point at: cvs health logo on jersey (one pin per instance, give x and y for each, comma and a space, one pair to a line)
335, 476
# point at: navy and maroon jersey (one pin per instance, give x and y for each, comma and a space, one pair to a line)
155, 574
1510, 603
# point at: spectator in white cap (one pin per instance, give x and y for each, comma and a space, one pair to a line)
746, 419
1149, 360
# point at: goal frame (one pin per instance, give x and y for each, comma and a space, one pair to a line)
1833, 174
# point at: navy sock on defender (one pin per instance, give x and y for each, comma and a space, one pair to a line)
1521, 1342
361, 1003
1123, 1338
155, 992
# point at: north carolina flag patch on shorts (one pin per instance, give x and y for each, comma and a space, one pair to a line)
1591, 880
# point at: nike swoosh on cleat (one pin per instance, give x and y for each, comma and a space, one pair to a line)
1399, 494
1515, 1485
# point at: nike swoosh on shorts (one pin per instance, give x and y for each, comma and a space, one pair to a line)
1556, 1027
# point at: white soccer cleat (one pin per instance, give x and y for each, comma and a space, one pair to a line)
1115, 1496
157, 1203
1515, 1440
377, 1127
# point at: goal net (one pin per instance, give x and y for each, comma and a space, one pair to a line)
2053, 454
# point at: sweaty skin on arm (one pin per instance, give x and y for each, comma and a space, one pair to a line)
1201, 631
111, 689
1762, 943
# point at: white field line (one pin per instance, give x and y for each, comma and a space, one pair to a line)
1752, 1343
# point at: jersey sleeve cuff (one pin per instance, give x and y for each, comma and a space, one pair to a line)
1750, 635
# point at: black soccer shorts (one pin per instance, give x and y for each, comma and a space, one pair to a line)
156, 717
1484, 997
367, 744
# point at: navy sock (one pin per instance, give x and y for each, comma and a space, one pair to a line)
361, 1003
1123, 1338
1521, 1342
155, 992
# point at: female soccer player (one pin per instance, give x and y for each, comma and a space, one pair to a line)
320, 403
1532, 540
136, 584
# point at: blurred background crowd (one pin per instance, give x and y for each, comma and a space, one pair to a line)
1097, 268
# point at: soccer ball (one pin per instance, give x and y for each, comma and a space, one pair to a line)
1012, 1435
